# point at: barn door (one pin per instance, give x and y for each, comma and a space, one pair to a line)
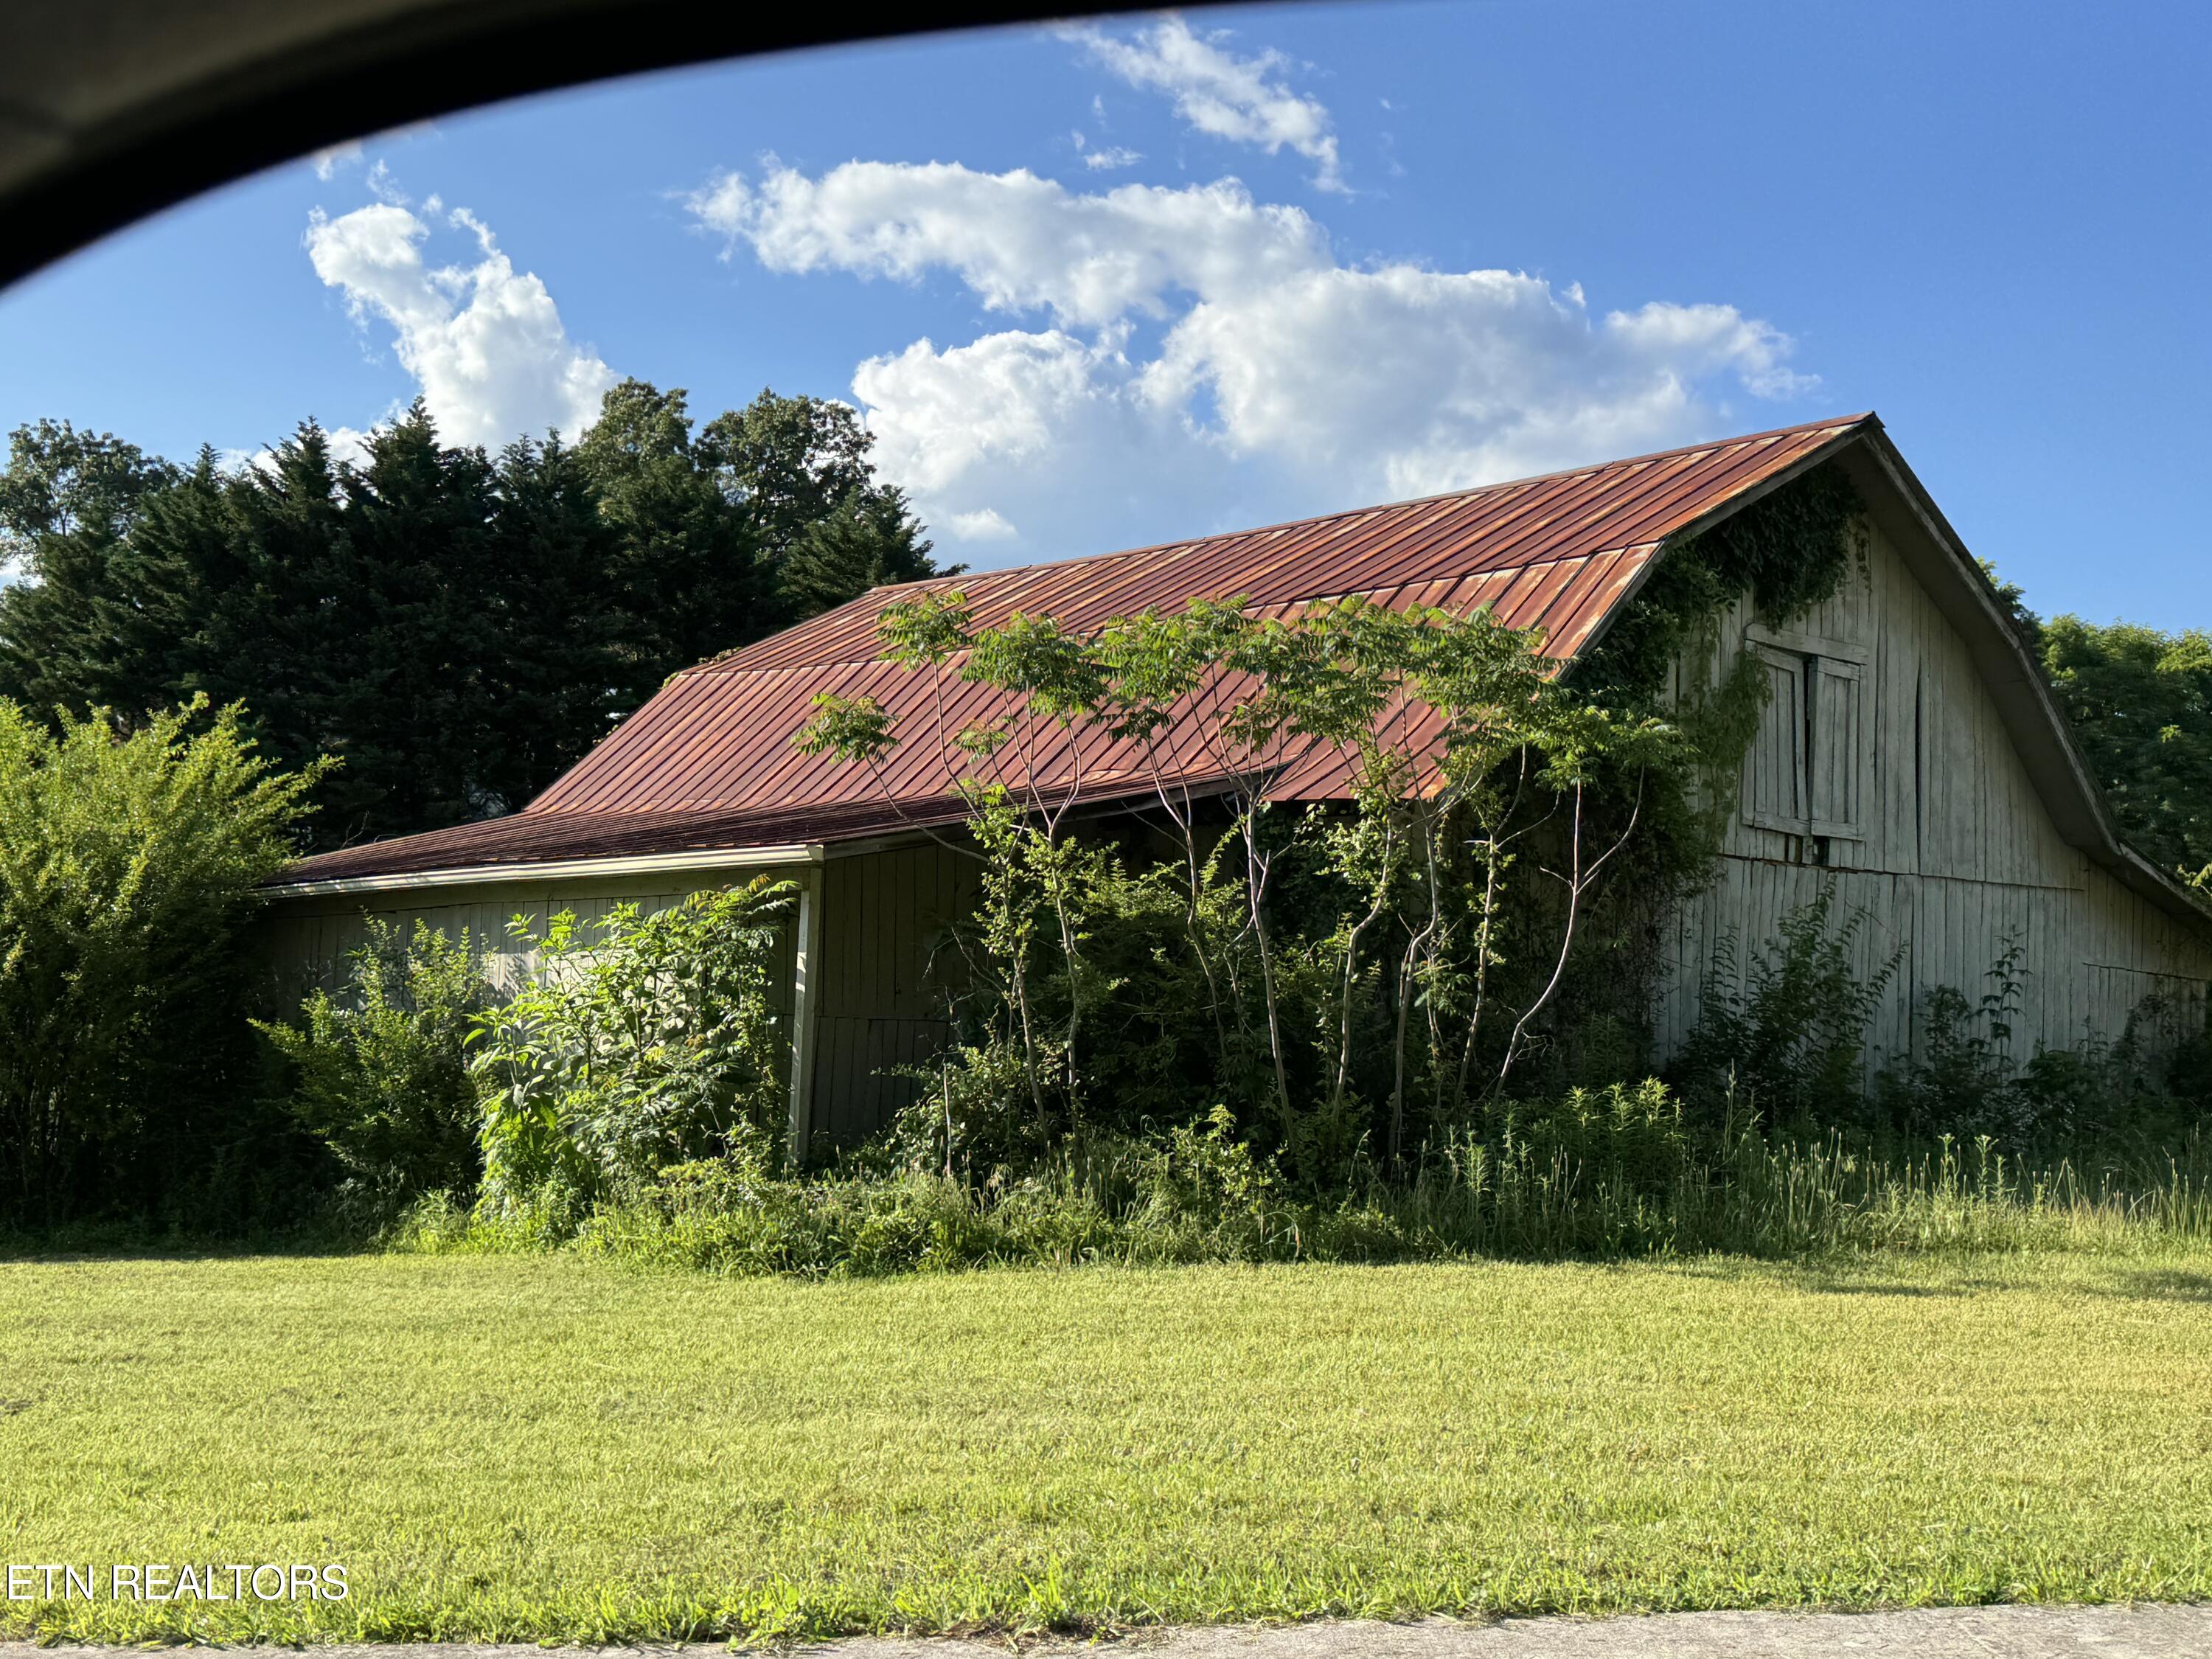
1834, 801
1806, 772
1774, 782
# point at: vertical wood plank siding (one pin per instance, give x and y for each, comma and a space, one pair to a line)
1956, 853
887, 964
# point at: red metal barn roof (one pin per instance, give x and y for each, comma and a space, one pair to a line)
708, 763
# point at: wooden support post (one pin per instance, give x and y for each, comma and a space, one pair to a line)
806, 972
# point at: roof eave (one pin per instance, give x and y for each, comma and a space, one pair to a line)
478, 875
2040, 731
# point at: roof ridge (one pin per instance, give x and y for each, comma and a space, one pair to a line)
727, 662
1839, 422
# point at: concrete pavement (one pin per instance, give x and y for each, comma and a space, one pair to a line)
1994, 1632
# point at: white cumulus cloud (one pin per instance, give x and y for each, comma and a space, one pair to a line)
1403, 382
1039, 440
1018, 242
1200, 360
484, 343
1245, 100
984, 524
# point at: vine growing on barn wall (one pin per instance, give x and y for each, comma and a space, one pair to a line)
1790, 551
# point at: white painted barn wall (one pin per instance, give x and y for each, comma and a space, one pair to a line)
305, 941
1955, 850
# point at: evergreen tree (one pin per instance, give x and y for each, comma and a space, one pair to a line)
866, 540
399, 695
687, 579
68, 501
177, 578
455, 629
272, 635
556, 685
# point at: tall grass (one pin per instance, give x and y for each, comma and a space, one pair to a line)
1777, 1198
1601, 1175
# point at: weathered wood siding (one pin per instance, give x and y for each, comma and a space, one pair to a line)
1929, 825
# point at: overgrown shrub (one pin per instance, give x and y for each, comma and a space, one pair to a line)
1344, 983
1785, 1032
1201, 1179
1963, 1078
2148, 1084
647, 1041
379, 1073
1595, 1174
975, 1115
129, 864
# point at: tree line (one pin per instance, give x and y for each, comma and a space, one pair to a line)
454, 627
2140, 701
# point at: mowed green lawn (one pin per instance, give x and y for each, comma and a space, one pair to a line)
546, 1447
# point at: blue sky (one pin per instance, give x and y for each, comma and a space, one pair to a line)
1160, 275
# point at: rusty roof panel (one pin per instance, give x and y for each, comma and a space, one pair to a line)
1606, 508
711, 753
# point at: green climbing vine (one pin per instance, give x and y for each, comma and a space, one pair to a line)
1790, 551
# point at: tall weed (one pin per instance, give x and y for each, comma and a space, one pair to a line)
1603, 1173
647, 1042
1788, 1027
379, 1072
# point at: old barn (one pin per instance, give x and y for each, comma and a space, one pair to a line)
1910, 753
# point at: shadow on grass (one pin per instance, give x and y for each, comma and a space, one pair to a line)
131, 1241
2162, 1284
1831, 1286
2136, 1285
1858, 1276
